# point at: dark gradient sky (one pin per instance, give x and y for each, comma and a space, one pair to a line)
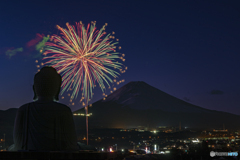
188, 49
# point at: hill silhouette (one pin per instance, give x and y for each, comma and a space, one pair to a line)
7, 118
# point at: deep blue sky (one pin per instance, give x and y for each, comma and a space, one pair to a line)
188, 49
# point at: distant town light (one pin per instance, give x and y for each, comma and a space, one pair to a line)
195, 141
82, 114
155, 147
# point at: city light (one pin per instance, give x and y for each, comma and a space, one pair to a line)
154, 131
195, 141
82, 114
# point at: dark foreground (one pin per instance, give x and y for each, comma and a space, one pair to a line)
5, 155
56, 155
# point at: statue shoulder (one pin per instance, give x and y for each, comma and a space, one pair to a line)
24, 107
62, 106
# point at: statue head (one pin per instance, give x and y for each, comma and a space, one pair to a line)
47, 83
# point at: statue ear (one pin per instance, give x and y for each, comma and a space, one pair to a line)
60, 83
57, 95
35, 95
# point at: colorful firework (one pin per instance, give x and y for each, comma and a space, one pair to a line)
84, 57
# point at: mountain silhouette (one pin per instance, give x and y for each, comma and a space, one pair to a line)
140, 95
139, 104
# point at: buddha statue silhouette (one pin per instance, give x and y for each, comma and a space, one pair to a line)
45, 124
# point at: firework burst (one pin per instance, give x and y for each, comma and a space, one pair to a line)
84, 57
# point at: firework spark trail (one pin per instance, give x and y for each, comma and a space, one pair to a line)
84, 57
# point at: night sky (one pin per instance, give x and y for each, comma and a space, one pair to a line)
188, 49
